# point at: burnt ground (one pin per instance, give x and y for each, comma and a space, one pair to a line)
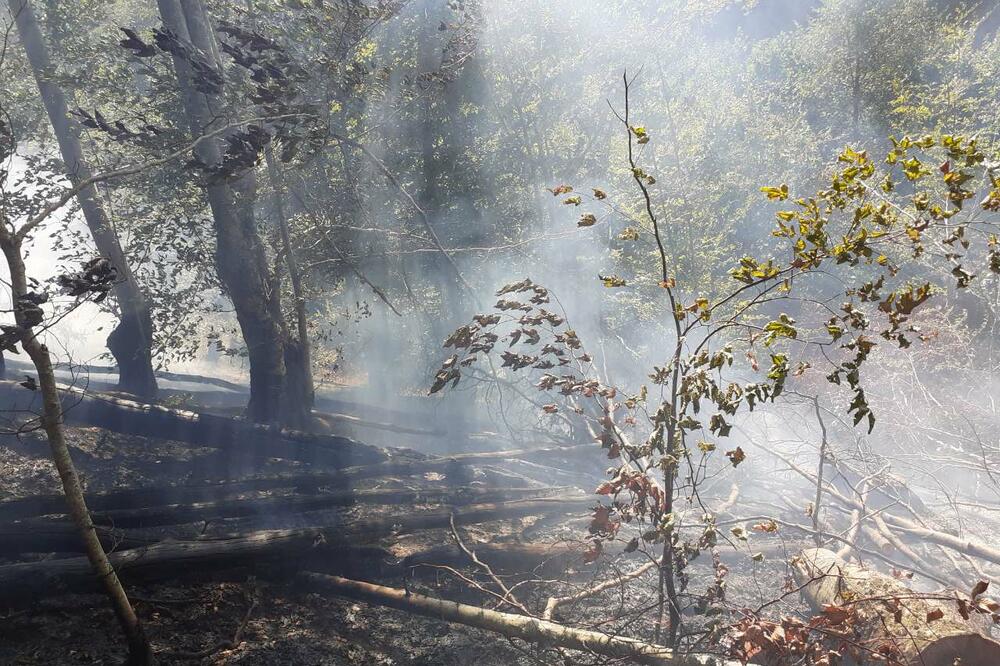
195, 622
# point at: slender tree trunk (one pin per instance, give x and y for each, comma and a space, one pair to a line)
131, 341
298, 354
52, 423
240, 258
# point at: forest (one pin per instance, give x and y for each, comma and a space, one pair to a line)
500, 332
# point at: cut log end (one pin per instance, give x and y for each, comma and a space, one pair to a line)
827, 580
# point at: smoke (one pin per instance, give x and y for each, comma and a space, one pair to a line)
735, 95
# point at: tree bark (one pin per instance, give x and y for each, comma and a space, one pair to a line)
830, 581
298, 352
131, 341
240, 258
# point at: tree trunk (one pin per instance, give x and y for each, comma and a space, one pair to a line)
52, 422
131, 341
298, 354
240, 258
874, 597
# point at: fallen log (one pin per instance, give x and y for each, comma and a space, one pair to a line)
197, 429
513, 626
123, 529
331, 418
74, 574
890, 617
400, 463
177, 514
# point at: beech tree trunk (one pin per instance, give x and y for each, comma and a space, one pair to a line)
240, 257
131, 341
298, 353
830, 581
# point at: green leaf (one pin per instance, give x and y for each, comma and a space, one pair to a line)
779, 193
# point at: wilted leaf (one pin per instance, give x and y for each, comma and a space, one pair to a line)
768, 526
605, 488
736, 456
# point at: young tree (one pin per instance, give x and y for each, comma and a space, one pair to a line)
29, 318
664, 434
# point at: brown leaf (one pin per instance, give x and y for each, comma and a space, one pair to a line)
935, 614
769, 526
979, 588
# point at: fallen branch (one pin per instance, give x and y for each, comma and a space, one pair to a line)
510, 625
554, 602
966, 546
508, 595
